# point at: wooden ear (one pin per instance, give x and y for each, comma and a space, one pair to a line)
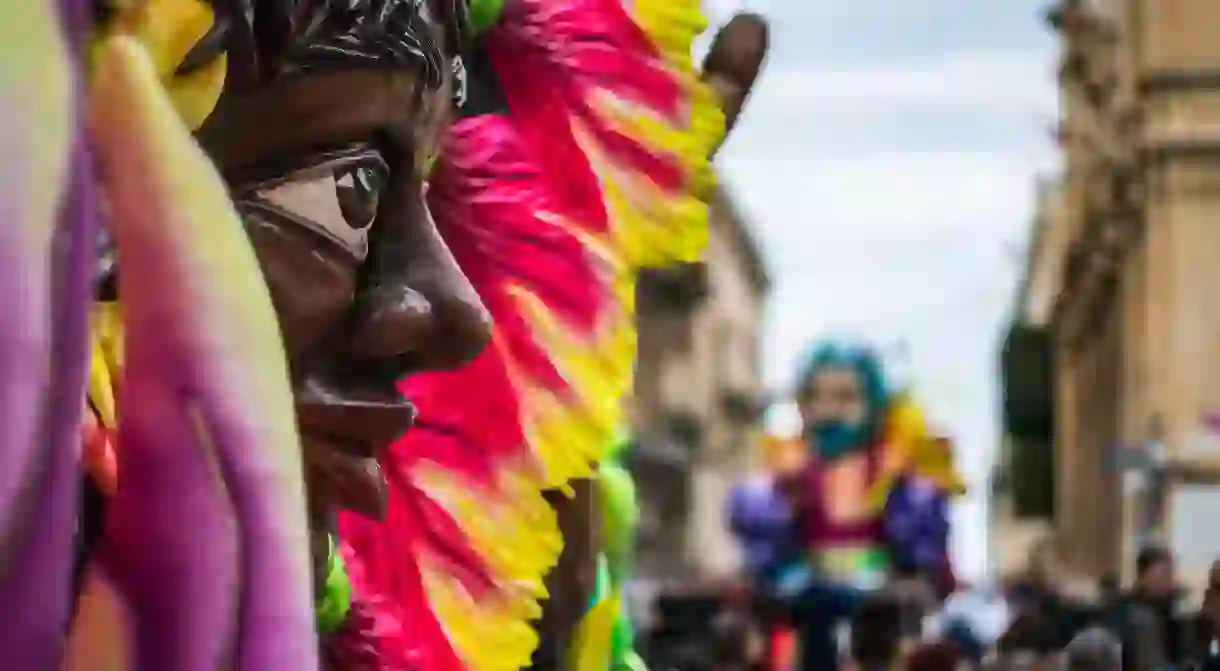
734, 61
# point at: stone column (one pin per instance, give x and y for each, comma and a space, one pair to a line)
1179, 66
1067, 443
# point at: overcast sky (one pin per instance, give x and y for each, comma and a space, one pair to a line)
888, 162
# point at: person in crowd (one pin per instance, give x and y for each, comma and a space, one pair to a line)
738, 642
876, 635
939, 656
968, 644
1147, 615
1034, 590
1205, 638
1108, 591
916, 596
1028, 645
973, 619
1094, 649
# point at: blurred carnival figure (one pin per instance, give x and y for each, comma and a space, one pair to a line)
870, 495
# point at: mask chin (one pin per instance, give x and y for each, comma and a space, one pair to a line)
833, 439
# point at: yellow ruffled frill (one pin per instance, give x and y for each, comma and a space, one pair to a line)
650, 226
656, 228
514, 530
912, 448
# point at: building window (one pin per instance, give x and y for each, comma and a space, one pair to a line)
686, 429
680, 287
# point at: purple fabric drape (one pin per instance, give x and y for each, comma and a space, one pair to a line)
36, 587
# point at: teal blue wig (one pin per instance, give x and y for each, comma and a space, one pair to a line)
864, 360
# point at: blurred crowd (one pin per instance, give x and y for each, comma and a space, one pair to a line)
1154, 625
1026, 624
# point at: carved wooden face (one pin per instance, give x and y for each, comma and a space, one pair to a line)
326, 169
348, 331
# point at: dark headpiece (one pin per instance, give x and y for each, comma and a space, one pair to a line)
271, 38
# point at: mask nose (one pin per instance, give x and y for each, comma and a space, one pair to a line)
417, 310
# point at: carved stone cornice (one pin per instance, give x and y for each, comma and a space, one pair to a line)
1129, 208
1068, 300
1073, 66
1091, 75
1182, 167
1193, 471
1166, 136
1097, 193
1075, 19
1108, 133
1160, 81
1082, 315
1156, 150
1091, 278
1088, 66
1057, 15
1079, 23
1100, 132
1128, 124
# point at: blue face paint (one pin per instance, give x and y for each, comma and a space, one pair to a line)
834, 438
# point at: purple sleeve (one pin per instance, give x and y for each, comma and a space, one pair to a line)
899, 517
754, 509
941, 522
917, 529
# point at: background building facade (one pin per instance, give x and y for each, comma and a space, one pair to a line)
1123, 280
698, 397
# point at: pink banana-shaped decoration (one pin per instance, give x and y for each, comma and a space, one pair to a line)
208, 433
205, 546
35, 119
46, 227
